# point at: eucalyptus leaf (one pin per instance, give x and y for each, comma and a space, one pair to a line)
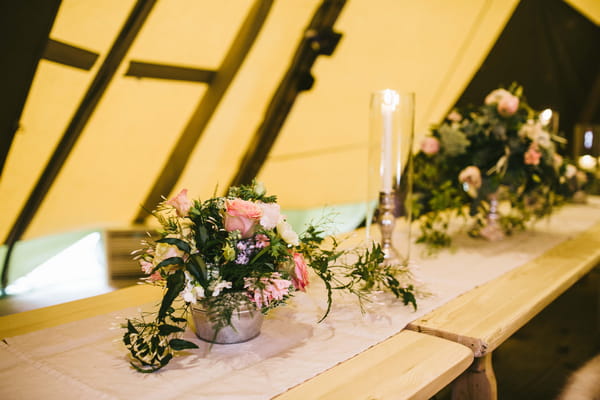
175, 284
130, 327
181, 245
180, 344
166, 329
167, 262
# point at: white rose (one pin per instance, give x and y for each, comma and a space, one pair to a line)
527, 130
570, 171
270, 215
287, 233
543, 139
188, 291
220, 286
259, 188
199, 292
188, 297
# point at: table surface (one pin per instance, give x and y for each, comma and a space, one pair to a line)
408, 365
486, 316
523, 275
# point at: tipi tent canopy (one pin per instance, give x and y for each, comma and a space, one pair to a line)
112, 103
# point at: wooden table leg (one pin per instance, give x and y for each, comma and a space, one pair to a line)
478, 382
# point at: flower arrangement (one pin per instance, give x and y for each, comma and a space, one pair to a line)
238, 251
496, 163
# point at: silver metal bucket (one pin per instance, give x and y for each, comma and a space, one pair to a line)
245, 325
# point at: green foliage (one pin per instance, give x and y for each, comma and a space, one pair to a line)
175, 284
152, 344
368, 273
252, 192
453, 141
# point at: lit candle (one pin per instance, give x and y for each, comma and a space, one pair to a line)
387, 149
390, 100
587, 162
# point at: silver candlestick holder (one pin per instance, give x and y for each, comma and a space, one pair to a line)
387, 223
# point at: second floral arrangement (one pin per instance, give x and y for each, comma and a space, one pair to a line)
496, 163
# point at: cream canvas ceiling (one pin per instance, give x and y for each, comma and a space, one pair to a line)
430, 47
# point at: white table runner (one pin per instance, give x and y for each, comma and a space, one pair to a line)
86, 359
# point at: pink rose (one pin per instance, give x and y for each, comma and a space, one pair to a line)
300, 273
181, 203
508, 105
470, 177
430, 145
495, 96
533, 155
242, 215
246, 226
243, 208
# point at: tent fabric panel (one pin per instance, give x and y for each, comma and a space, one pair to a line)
432, 48
55, 93
216, 158
373, 55
333, 116
317, 181
120, 152
91, 25
190, 32
589, 8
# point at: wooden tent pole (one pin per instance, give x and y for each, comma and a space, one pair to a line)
95, 91
24, 39
319, 38
188, 139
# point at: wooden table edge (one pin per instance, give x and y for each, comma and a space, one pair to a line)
373, 371
485, 344
46, 317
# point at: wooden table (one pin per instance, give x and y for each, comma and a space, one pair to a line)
486, 316
409, 365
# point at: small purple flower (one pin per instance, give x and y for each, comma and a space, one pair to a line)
246, 248
242, 258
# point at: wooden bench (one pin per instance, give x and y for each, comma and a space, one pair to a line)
483, 318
